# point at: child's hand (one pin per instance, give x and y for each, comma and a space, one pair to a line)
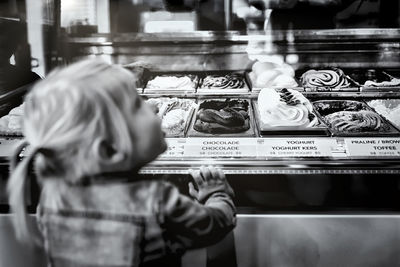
208, 180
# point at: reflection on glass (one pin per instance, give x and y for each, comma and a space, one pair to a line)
90, 16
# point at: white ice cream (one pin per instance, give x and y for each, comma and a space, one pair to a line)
274, 112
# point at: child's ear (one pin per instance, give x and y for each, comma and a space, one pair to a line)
106, 153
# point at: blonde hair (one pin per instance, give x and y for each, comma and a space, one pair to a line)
64, 115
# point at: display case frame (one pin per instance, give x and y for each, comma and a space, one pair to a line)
215, 51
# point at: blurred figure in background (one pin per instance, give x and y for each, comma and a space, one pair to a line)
304, 14
296, 14
12, 76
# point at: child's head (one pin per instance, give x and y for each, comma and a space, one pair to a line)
86, 119
90, 115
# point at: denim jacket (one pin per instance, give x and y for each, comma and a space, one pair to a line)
130, 223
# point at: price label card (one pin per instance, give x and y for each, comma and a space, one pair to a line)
176, 147
373, 147
221, 147
296, 147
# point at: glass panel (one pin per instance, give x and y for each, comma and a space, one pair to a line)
305, 193
87, 16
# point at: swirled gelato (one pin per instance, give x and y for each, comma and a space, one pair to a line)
223, 117
230, 81
349, 116
334, 78
354, 121
288, 108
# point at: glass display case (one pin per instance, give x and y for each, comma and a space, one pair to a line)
304, 119
310, 146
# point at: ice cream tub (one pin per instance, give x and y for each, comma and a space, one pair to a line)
175, 114
387, 108
286, 112
272, 75
230, 117
223, 82
352, 118
375, 80
171, 82
327, 80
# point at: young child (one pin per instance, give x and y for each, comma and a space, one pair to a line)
89, 133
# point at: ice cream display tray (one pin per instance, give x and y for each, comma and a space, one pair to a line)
175, 114
170, 82
379, 81
327, 80
223, 82
352, 118
387, 108
320, 129
230, 117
